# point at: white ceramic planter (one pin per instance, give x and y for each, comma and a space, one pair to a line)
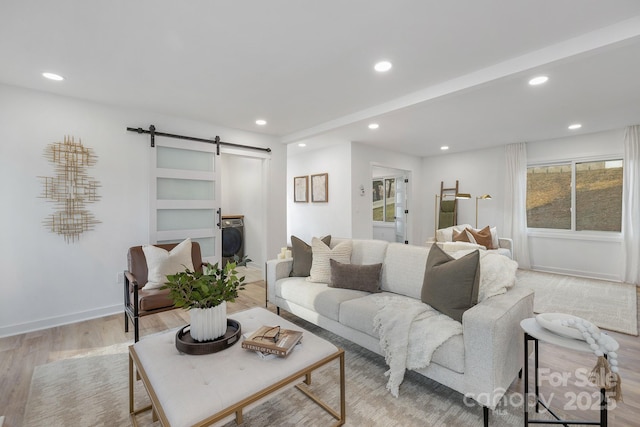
208, 323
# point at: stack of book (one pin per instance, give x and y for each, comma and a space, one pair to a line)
272, 340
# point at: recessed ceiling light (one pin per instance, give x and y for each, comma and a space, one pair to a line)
575, 126
374, 126
538, 80
444, 147
52, 76
261, 122
383, 66
302, 144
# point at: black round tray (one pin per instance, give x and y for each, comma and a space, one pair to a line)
186, 344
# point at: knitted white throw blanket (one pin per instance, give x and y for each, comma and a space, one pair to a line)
410, 332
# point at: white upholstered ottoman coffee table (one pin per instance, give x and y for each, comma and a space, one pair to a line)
202, 390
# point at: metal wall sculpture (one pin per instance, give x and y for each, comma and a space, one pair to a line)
71, 189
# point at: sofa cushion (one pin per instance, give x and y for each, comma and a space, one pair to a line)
451, 285
320, 266
353, 276
365, 251
459, 246
161, 262
302, 256
318, 297
403, 269
358, 314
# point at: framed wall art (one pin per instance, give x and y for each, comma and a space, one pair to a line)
320, 187
301, 189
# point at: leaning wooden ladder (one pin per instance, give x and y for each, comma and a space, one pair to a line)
447, 212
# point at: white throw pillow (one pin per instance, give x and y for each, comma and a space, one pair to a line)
494, 237
161, 263
320, 265
497, 273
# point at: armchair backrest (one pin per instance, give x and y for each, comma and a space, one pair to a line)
137, 262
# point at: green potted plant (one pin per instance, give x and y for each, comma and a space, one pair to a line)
205, 295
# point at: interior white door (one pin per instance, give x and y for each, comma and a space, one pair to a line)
185, 195
401, 209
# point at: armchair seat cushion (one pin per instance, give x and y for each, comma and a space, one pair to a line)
153, 299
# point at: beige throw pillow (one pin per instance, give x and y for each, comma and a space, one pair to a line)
161, 263
322, 254
461, 236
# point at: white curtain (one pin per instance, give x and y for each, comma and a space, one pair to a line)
631, 206
515, 202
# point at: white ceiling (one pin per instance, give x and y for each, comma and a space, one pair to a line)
459, 77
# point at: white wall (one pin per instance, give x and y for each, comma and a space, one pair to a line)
580, 253
307, 220
478, 172
49, 282
363, 159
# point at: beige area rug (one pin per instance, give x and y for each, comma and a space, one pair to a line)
93, 391
610, 305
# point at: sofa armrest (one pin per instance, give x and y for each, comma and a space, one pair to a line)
276, 269
505, 243
493, 344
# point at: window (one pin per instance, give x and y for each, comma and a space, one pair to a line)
575, 196
384, 199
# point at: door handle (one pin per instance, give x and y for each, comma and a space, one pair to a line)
219, 212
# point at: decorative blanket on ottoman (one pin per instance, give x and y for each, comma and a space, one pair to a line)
410, 332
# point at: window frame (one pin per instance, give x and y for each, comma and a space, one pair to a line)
590, 235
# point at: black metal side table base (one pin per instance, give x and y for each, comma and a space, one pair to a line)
539, 402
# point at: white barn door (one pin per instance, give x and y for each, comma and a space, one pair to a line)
185, 195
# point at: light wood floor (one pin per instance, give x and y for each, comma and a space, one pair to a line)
20, 354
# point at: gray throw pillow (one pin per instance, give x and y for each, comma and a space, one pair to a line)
353, 276
303, 256
451, 285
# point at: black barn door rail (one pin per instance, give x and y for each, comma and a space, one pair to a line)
153, 133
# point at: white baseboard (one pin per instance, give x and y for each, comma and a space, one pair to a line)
255, 265
66, 319
578, 273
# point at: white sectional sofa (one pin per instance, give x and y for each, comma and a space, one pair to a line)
481, 363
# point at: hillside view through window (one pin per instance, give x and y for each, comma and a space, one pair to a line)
598, 196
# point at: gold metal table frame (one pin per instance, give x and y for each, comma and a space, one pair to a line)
237, 408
